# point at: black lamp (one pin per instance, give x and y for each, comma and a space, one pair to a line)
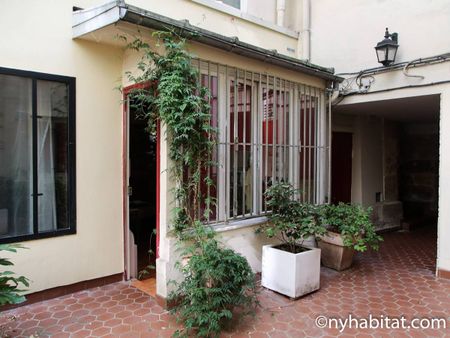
387, 49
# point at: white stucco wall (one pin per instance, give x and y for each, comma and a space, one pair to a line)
370, 129
37, 37
344, 33
443, 261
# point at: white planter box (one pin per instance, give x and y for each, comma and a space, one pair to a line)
293, 275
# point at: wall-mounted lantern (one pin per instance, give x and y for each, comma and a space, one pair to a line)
387, 49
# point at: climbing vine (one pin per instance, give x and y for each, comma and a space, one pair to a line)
175, 96
217, 280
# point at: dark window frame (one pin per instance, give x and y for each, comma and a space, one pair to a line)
71, 155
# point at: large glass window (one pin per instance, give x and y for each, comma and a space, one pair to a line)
37, 155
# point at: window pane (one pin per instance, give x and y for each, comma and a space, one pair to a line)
308, 141
15, 156
52, 124
275, 136
268, 127
232, 3
241, 159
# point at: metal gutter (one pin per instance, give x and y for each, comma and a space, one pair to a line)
120, 11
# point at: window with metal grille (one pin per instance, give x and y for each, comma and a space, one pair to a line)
270, 130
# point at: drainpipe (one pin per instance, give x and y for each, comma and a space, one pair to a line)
304, 40
281, 9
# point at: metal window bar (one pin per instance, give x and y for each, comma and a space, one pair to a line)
316, 147
227, 142
252, 141
274, 131
330, 145
309, 143
265, 142
259, 140
198, 211
283, 127
235, 143
294, 138
303, 111
211, 102
244, 140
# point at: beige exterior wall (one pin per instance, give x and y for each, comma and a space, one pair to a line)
257, 30
346, 32
37, 37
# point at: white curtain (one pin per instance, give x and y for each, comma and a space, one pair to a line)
46, 176
22, 180
15, 156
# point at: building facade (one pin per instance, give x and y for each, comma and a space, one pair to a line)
83, 187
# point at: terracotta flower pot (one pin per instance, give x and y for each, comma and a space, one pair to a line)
334, 254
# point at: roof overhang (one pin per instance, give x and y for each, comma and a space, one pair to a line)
94, 19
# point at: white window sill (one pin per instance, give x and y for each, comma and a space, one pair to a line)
240, 224
247, 17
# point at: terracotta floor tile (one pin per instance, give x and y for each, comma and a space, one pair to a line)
399, 279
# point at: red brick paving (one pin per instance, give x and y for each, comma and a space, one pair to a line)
397, 280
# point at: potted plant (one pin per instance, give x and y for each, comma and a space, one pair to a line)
349, 229
290, 268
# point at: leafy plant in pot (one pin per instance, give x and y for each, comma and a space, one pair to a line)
349, 229
291, 268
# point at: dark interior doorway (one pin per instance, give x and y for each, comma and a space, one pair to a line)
341, 167
419, 172
142, 190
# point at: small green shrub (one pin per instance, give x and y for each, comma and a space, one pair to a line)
217, 282
353, 222
291, 221
10, 285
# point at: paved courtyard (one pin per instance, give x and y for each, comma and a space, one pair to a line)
398, 280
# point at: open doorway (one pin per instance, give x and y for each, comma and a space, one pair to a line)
341, 167
419, 172
142, 190
141, 199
